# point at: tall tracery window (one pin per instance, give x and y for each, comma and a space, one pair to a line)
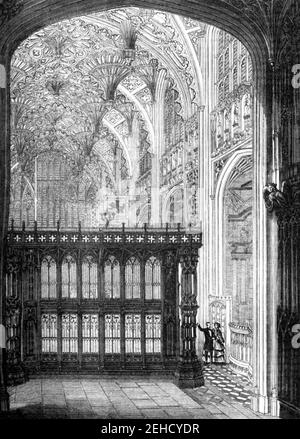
226, 61
152, 279
112, 278
69, 278
250, 69
234, 51
244, 69
226, 84
172, 209
153, 333
90, 331
112, 333
69, 324
234, 77
221, 91
11, 283
89, 278
48, 278
49, 333
220, 65
132, 279
132, 333
221, 39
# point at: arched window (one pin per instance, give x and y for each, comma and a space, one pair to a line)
49, 332
175, 207
68, 278
220, 66
90, 333
48, 278
226, 61
132, 279
153, 333
152, 279
250, 70
244, 69
172, 209
89, 278
234, 51
112, 333
133, 333
226, 85
221, 91
221, 39
234, 77
69, 324
112, 278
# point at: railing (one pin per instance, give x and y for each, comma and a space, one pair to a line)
241, 342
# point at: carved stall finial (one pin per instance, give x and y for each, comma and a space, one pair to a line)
275, 199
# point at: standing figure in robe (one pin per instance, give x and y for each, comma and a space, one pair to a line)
218, 344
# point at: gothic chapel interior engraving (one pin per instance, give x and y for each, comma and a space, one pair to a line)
150, 186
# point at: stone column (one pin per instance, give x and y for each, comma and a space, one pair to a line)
15, 265
284, 371
4, 397
189, 372
158, 139
203, 212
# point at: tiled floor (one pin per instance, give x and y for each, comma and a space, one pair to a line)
236, 387
221, 398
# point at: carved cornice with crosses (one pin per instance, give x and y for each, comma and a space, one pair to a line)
112, 239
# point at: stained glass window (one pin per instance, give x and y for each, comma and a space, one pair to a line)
89, 278
133, 333
90, 333
69, 324
49, 332
112, 333
153, 333
152, 279
48, 278
132, 279
112, 278
69, 278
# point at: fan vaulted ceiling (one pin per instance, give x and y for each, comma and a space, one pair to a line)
78, 84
